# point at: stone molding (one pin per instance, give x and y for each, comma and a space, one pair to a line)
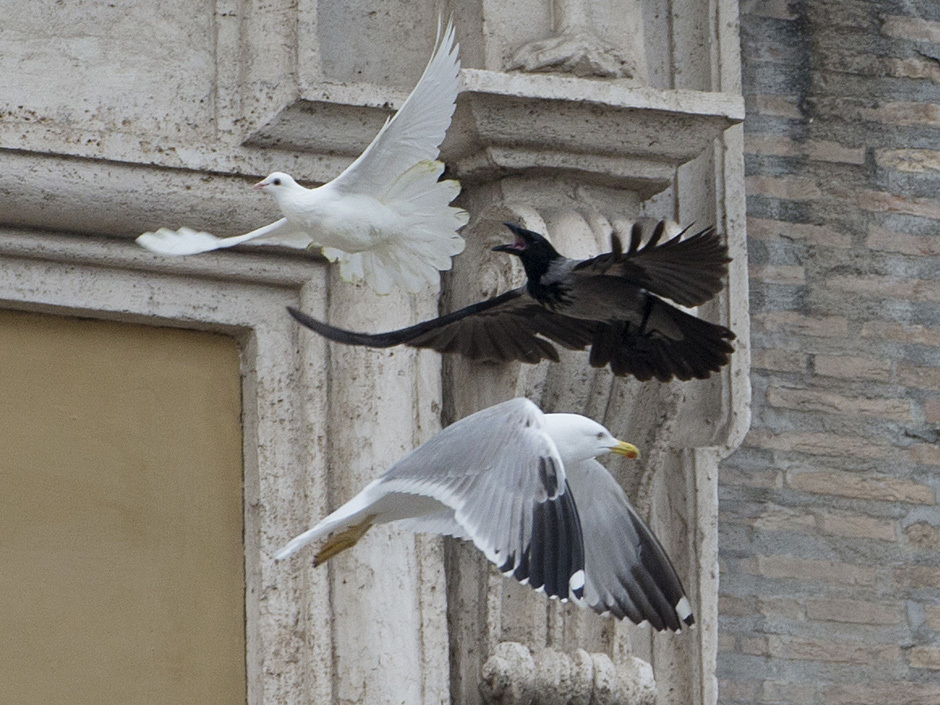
515, 675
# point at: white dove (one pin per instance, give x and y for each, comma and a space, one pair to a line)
386, 218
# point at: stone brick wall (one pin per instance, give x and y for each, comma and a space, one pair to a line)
829, 523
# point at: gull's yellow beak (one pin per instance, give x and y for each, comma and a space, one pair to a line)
627, 450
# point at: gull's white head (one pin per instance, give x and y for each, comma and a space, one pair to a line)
579, 438
277, 183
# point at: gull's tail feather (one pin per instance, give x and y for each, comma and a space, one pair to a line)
426, 242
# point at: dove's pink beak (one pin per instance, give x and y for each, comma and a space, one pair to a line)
260, 185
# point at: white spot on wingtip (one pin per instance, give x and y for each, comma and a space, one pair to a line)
683, 608
576, 581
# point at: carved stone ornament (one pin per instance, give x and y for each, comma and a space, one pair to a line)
576, 47
514, 675
578, 51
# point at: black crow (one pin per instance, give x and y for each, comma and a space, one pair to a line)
610, 302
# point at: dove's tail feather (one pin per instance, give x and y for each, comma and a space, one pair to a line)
425, 244
187, 241
184, 241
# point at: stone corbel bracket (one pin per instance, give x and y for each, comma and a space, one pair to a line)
514, 675
619, 135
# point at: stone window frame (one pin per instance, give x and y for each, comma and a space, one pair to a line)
104, 279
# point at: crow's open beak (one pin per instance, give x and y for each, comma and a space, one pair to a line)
519, 245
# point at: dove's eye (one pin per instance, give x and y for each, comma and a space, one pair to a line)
277, 182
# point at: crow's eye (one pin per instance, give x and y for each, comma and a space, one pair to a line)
277, 182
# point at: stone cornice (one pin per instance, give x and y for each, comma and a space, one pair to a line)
609, 132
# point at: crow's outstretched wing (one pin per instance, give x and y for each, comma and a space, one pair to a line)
669, 343
507, 327
687, 270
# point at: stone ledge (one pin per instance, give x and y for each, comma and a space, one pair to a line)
604, 132
628, 136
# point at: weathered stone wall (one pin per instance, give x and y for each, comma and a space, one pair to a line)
829, 524
575, 118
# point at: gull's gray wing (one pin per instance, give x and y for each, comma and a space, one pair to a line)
688, 270
501, 474
627, 571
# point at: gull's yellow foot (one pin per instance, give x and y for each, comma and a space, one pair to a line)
337, 543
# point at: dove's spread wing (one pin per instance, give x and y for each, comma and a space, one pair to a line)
689, 271
415, 132
187, 241
627, 571
500, 474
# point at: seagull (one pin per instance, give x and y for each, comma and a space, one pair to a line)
386, 218
613, 303
525, 488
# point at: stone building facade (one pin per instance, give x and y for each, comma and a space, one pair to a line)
830, 529
575, 117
